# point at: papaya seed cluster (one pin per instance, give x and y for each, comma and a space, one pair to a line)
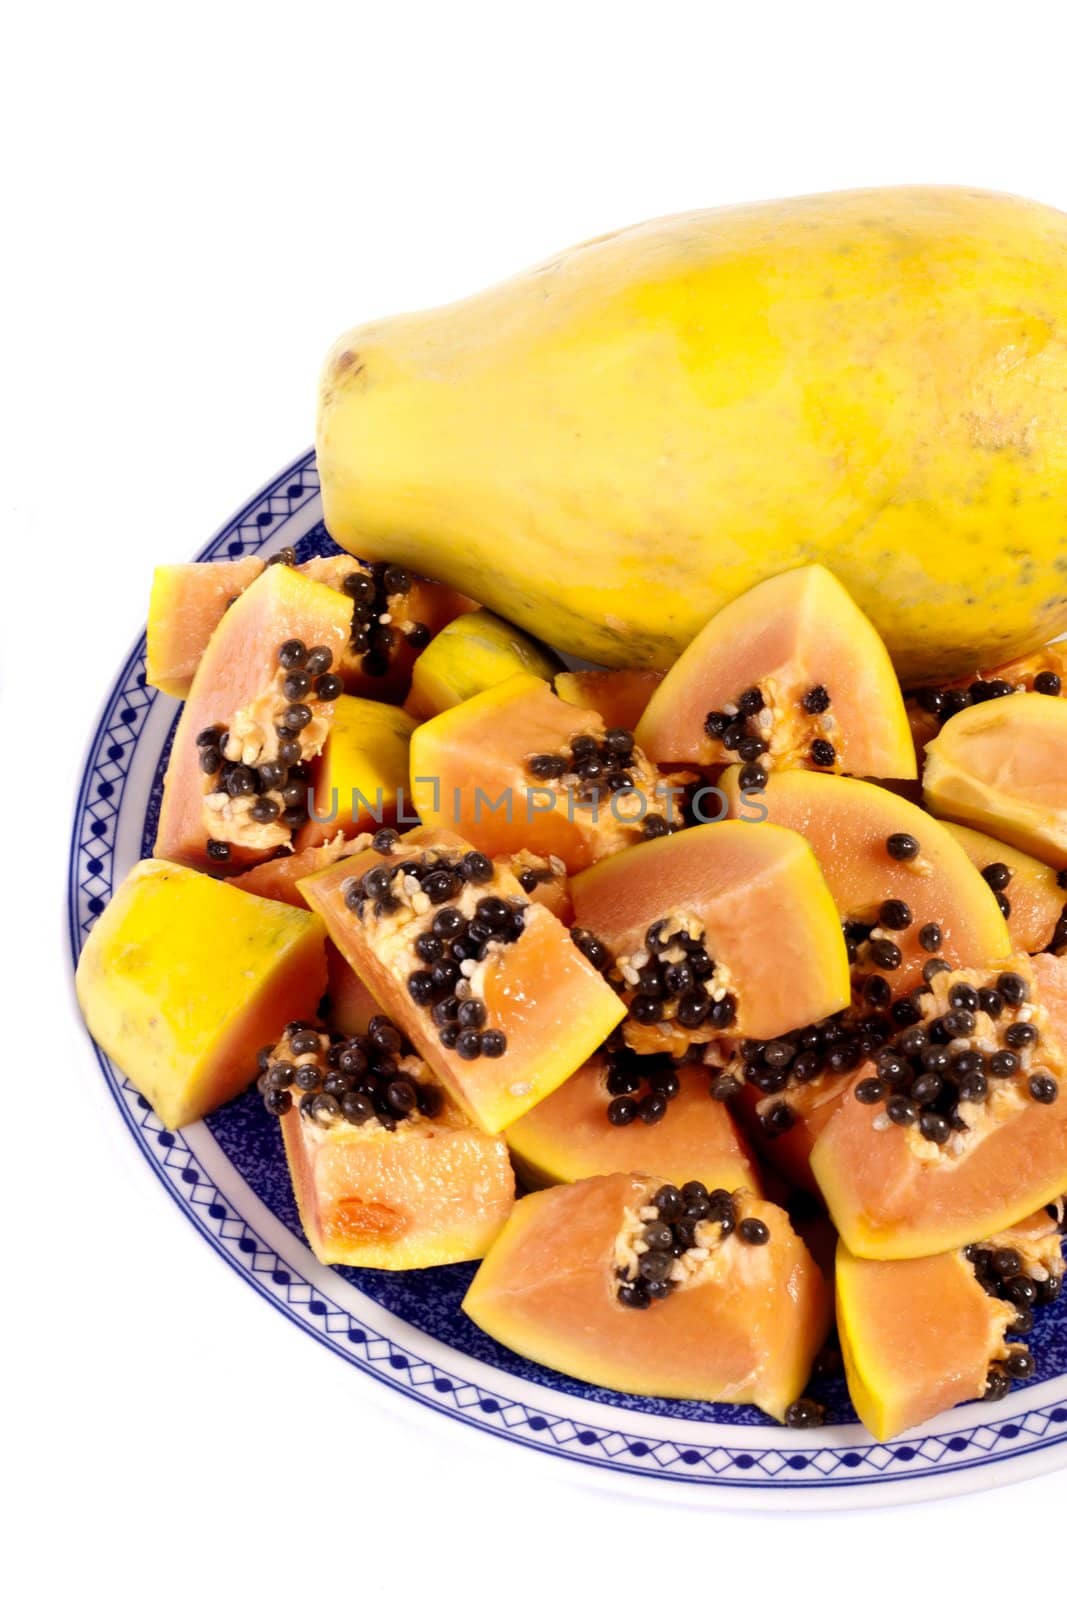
945, 703
451, 947
670, 1239
356, 1078
743, 729
269, 789
375, 592
1003, 1271
597, 769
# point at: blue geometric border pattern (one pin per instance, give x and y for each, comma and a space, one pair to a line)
794, 1465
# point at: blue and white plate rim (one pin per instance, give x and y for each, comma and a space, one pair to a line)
974, 1447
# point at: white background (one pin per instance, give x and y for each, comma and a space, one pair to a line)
198, 198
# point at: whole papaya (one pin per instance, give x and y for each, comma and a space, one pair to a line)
609, 447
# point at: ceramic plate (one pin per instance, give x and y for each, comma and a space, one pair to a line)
406, 1329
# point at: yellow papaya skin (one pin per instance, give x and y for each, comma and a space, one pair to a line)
471, 653
610, 447
183, 979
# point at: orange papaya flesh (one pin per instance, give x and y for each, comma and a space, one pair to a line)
1031, 892
361, 773
790, 674
878, 850
618, 696
182, 980
1002, 767
917, 1337
504, 769
980, 1150
187, 603
545, 880
386, 1170
569, 1135
506, 1008
742, 1323
1041, 672
742, 911
921, 1335
235, 799
278, 879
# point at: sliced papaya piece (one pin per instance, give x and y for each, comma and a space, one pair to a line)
738, 1315
619, 697
1041, 672
970, 1134
907, 895
236, 783
488, 985
916, 1336
515, 768
278, 878
187, 603
919, 1336
182, 980
386, 1169
471, 653
1029, 893
667, 1123
879, 854
726, 928
362, 772
394, 617
790, 674
1002, 767
545, 880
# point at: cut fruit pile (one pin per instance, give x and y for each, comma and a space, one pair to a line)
673, 951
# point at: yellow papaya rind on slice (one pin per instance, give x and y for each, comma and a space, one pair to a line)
917, 1337
1002, 767
183, 979
361, 772
472, 653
